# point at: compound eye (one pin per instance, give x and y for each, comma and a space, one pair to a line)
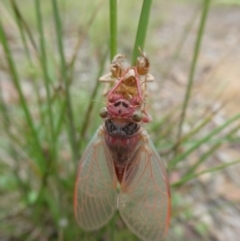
137, 116
103, 112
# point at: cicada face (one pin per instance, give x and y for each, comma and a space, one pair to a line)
121, 170
121, 109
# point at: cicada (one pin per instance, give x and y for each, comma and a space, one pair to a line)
120, 168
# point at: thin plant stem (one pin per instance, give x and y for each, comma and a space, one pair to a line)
209, 170
196, 129
7, 120
210, 151
15, 78
72, 129
43, 61
180, 43
112, 226
20, 26
193, 66
204, 140
142, 29
19, 21
113, 28
84, 34
24, 25
85, 124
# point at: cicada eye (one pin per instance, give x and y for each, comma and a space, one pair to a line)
103, 112
137, 116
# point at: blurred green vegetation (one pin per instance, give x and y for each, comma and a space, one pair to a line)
52, 54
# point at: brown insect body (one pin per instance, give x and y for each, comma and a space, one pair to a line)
121, 154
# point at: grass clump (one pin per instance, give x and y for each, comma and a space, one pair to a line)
50, 96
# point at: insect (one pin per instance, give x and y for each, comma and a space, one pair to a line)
120, 168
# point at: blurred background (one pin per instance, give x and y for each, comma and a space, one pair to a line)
51, 56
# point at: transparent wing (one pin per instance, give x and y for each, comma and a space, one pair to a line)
144, 201
95, 194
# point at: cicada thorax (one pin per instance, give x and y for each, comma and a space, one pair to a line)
131, 87
122, 138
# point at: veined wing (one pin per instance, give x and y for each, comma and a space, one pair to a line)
95, 194
144, 199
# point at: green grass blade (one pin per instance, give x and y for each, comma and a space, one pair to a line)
19, 24
113, 28
203, 140
90, 107
24, 33
193, 65
210, 151
180, 43
209, 170
72, 129
195, 130
23, 24
16, 82
142, 29
47, 82
83, 35
7, 120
